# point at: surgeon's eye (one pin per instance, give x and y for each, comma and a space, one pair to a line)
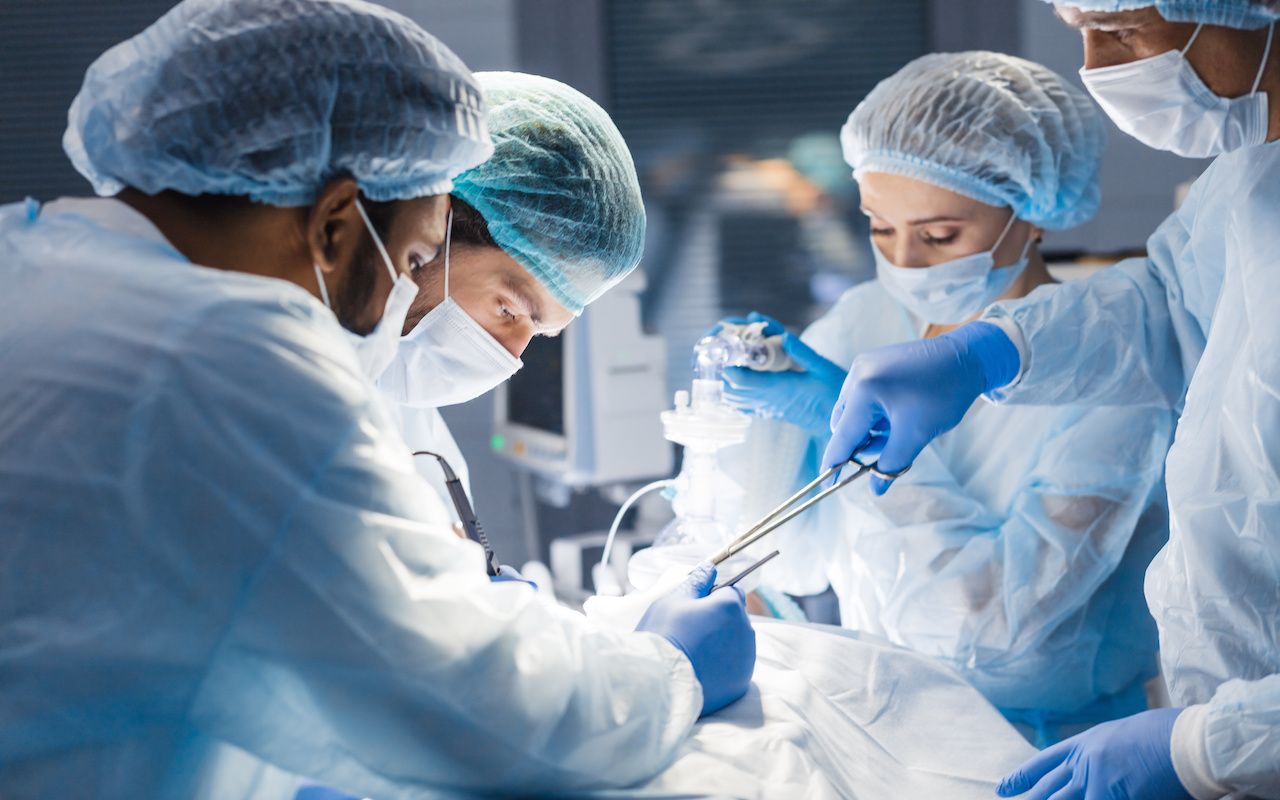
938, 241
881, 231
506, 312
417, 260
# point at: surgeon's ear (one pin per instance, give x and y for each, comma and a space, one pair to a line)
333, 225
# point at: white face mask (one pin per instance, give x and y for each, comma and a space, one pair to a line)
448, 357
376, 350
1161, 102
953, 291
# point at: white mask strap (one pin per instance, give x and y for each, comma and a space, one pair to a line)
1266, 55
448, 238
1026, 248
324, 290
1012, 217
1192, 40
377, 241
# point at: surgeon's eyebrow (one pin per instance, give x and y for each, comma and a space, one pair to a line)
1104, 20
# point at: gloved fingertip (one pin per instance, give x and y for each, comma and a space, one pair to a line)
701, 579
772, 326
1011, 785
879, 486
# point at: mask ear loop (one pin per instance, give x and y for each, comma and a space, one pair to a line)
1192, 40
1013, 216
324, 290
1266, 56
448, 239
1026, 248
377, 241
1008, 226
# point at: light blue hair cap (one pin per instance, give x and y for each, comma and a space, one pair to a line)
271, 99
996, 128
1248, 14
560, 194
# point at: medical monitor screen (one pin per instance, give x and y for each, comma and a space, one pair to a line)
535, 394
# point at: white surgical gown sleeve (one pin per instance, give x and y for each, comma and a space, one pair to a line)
1123, 336
984, 587
1232, 743
366, 649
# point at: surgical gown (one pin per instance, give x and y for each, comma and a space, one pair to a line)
1014, 549
217, 554
1200, 314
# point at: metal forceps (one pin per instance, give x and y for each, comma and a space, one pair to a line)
788, 510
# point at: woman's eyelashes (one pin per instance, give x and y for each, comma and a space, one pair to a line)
932, 239
939, 240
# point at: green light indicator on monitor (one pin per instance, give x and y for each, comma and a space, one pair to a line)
498, 441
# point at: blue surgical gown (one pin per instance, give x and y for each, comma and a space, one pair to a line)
1013, 550
218, 566
1196, 326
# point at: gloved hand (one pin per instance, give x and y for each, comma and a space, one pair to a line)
1127, 759
712, 631
912, 393
506, 573
804, 399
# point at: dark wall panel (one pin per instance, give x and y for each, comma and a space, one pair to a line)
45, 48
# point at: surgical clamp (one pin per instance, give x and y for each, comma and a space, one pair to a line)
732, 581
784, 513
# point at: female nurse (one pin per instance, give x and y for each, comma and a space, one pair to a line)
1015, 547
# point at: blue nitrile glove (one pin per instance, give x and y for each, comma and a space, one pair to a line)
804, 399
713, 631
1126, 759
506, 573
912, 393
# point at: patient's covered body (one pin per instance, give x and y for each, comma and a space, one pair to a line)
832, 716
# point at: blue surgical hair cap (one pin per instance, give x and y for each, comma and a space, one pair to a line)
999, 129
271, 99
1247, 14
560, 194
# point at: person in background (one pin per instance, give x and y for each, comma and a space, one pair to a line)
1014, 549
542, 228
221, 573
1190, 328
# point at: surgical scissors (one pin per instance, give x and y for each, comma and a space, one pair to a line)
784, 513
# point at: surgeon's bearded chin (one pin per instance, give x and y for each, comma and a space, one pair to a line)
354, 300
